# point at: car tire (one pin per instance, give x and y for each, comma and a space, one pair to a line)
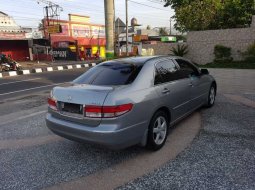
158, 131
211, 96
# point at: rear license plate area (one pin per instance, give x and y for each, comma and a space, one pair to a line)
72, 108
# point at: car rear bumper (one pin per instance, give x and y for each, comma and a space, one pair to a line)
114, 139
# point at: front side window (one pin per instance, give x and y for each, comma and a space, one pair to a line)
186, 69
110, 73
165, 71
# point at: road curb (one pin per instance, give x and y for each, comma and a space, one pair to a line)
46, 69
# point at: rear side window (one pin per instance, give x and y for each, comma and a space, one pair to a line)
186, 69
110, 73
166, 71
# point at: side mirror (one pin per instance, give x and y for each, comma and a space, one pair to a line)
204, 72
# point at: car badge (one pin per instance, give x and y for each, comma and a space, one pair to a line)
69, 98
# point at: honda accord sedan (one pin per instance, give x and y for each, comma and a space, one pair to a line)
129, 101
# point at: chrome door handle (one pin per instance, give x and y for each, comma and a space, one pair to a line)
165, 91
190, 84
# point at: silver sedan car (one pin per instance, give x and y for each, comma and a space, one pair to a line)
129, 101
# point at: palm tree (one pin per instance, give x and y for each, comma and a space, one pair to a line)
162, 31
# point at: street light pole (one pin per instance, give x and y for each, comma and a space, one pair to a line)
126, 27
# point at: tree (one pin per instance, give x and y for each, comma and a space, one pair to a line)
162, 31
148, 27
211, 14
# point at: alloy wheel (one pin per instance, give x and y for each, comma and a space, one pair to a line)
159, 130
212, 95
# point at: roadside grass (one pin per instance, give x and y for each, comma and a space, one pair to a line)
233, 65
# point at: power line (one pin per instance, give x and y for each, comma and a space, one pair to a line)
156, 1
148, 5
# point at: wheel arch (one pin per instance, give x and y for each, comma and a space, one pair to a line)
164, 109
215, 84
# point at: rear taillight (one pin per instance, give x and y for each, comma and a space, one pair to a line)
106, 111
52, 104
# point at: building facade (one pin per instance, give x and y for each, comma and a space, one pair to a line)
14, 40
77, 38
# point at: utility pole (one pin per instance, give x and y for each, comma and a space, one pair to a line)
52, 12
109, 27
170, 26
126, 27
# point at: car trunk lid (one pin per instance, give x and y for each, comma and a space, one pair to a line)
72, 99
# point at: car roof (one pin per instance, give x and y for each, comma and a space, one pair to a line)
138, 61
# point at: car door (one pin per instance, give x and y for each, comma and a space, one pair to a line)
172, 92
197, 84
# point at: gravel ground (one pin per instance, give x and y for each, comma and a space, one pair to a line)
221, 157
250, 96
23, 103
41, 166
25, 128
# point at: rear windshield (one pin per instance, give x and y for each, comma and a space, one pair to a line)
110, 73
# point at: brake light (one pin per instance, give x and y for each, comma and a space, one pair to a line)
106, 111
52, 104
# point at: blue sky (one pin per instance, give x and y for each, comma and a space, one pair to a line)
29, 12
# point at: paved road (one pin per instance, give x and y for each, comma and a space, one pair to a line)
25, 84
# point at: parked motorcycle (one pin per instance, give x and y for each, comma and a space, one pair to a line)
5, 67
8, 64
15, 66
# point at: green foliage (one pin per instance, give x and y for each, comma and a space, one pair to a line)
195, 16
181, 50
222, 54
249, 54
192, 15
232, 65
181, 37
162, 31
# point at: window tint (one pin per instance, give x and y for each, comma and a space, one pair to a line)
110, 73
186, 69
166, 71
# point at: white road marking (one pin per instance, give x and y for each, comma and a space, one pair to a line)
39, 70
26, 72
30, 89
12, 73
60, 68
49, 69
78, 66
69, 66
19, 81
24, 117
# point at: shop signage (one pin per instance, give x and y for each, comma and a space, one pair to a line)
34, 35
60, 54
9, 36
139, 38
168, 39
54, 29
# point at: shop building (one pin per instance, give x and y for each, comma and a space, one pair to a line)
13, 39
76, 38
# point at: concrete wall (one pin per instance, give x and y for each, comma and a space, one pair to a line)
201, 43
160, 48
